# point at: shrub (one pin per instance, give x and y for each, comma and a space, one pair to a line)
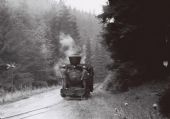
164, 103
126, 75
112, 84
39, 84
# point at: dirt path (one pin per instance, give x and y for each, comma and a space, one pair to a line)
94, 108
51, 105
101, 105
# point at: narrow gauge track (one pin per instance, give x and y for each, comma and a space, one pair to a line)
38, 111
32, 112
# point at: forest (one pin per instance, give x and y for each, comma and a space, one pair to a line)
129, 40
37, 37
137, 34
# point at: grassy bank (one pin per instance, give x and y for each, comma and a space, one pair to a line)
137, 102
18, 95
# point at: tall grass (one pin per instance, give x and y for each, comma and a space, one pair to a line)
18, 95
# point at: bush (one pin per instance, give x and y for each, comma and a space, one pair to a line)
39, 84
112, 84
125, 75
52, 82
164, 103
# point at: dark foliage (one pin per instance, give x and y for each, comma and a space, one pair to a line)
165, 103
51, 82
39, 84
138, 32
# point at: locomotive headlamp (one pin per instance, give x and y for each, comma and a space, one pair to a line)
84, 67
63, 66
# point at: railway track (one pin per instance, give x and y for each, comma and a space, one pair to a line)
38, 111
31, 113
97, 85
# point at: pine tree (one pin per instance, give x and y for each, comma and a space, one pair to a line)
137, 33
61, 22
88, 52
100, 59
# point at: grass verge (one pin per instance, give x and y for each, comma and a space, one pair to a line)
18, 95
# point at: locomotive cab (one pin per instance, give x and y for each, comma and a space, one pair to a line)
77, 79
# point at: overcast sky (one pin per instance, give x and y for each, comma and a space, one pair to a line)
87, 5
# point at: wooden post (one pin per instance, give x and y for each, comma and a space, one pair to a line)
12, 78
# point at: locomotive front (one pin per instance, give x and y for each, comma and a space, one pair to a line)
77, 78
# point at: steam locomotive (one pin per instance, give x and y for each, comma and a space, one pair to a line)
77, 78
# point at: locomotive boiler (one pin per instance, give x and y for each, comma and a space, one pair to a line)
77, 78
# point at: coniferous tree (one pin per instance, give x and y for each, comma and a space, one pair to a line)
134, 31
88, 52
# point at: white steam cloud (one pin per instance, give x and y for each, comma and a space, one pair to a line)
69, 47
83, 54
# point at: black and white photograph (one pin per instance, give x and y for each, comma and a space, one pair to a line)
84, 59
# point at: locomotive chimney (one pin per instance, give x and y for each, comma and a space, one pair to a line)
75, 59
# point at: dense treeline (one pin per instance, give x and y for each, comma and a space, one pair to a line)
30, 37
136, 32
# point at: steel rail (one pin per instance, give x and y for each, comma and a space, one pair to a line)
34, 110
